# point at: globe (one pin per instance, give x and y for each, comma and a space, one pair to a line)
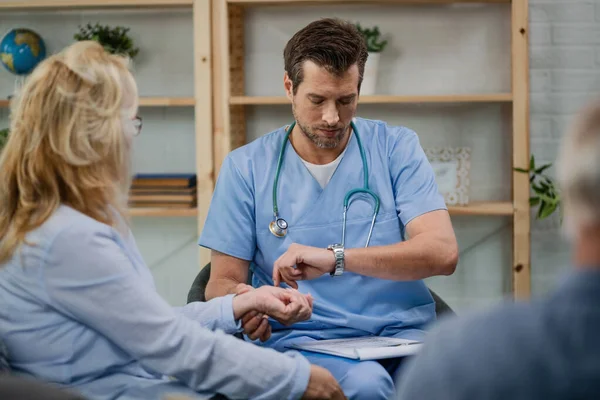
21, 50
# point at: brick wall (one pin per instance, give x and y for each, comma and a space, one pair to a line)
565, 73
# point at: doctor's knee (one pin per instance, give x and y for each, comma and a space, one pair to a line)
368, 381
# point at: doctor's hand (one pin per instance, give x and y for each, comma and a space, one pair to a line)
301, 262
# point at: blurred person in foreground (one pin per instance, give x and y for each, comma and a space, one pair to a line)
543, 349
79, 306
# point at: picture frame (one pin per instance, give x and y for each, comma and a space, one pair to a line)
451, 166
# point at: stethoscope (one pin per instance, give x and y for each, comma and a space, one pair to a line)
279, 225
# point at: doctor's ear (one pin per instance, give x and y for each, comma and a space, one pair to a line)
288, 86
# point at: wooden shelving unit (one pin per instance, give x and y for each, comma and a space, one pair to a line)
219, 101
311, 2
201, 101
230, 101
458, 98
163, 212
73, 4
483, 209
167, 101
150, 102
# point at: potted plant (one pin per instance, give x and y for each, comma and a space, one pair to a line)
546, 195
114, 40
375, 45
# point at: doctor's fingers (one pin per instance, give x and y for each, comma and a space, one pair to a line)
291, 275
261, 331
251, 320
256, 325
299, 305
289, 311
297, 311
281, 276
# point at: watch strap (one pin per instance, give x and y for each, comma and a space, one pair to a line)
338, 252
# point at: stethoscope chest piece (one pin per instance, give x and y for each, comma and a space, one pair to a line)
278, 227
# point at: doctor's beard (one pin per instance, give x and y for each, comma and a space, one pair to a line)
319, 141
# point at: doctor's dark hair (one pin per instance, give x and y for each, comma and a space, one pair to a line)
330, 43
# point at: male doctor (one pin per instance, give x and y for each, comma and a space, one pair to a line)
278, 208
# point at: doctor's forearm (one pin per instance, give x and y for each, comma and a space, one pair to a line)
219, 287
422, 256
227, 272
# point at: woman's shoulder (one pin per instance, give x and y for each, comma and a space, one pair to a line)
66, 226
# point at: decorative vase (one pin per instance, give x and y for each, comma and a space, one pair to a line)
370, 75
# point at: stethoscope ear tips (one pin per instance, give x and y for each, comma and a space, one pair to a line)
278, 227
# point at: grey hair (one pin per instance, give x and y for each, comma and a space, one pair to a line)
579, 170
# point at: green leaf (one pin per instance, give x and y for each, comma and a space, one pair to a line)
542, 168
521, 170
548, 199
532, 163
548, 210
372, 36
534, 201
537, 189
114, 40
541, 209
549, 182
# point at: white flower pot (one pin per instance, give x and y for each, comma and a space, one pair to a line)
370, 75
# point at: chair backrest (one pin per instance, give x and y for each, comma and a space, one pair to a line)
4, 366
198, 290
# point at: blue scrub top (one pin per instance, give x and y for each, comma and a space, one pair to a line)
350, 305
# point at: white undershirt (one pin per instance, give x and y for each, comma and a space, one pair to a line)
323, 173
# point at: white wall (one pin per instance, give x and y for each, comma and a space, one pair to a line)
565, 57
432, 50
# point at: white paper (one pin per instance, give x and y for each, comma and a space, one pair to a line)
363, 348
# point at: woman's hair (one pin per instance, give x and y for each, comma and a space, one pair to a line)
68, 142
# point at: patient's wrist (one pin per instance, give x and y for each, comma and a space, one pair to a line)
243, 304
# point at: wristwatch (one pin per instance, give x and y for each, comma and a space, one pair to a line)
338, 252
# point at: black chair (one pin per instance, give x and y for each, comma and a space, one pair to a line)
198, 289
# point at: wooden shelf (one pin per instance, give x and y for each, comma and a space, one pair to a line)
325, 2
167, 101
49, 4
163, 212
152, 102
385, 99
483, 209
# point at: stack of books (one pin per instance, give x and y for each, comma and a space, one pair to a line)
163, 191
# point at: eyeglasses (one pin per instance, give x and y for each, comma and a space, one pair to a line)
137, 123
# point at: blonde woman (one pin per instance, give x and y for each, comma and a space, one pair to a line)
78, 304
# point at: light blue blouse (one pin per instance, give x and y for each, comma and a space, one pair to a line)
79, 308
